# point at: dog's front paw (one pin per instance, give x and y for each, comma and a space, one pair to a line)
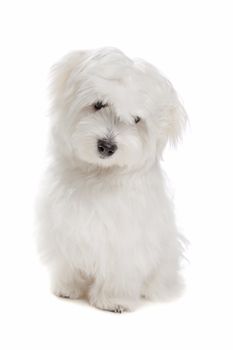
113, 305
68, 292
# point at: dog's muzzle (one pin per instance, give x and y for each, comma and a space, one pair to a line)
106, 148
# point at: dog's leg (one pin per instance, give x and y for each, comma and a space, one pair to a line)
67, 282
165, 281
164, 284
111, 298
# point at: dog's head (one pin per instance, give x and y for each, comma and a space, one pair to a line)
110, 110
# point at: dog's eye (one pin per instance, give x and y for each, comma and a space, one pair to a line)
137, 119
99, 105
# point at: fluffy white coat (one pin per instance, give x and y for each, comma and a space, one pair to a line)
107, 230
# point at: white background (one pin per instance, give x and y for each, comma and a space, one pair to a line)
191, 42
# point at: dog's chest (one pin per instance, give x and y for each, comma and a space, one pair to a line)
115, 209
112, 224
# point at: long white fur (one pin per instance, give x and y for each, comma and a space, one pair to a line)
106, 226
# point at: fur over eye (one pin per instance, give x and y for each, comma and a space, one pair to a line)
137, 119
99, 105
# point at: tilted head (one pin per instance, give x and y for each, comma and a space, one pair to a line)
110, 110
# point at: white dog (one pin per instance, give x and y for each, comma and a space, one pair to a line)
106, 224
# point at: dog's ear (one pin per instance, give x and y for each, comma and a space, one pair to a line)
63, 76
169, 114
173, 119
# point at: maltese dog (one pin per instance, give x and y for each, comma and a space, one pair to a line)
107, 229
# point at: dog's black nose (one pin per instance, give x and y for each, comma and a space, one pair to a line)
106, 148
